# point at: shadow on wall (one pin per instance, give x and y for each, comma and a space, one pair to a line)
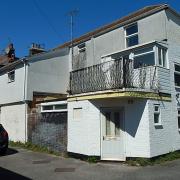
132, 112
133, 116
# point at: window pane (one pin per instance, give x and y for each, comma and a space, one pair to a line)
164, 57
60, 106
132, 29
177, 79
159, 56
47, 107
143, 50
131, 41
156, 118
144, 60
77, 113
108, 123
177, 68
83, 45
178, 122
156, 108
117, 123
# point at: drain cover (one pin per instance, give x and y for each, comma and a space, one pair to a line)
41, 161
64, 170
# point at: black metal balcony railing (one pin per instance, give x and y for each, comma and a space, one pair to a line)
115, 74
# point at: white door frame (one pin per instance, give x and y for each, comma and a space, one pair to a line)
123, 131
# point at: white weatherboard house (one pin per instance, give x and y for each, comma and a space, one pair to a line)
22, 81
125, 87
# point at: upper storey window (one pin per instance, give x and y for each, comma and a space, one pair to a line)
177, 75
11, 76
162, 57
131, 33
79, 60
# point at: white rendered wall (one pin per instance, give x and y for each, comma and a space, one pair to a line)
150, 28
84, 133
48, 73
13, 120
14, 91
162, 137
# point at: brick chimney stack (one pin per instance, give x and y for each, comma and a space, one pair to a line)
36, 49
9, 55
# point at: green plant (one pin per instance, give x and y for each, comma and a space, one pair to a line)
92, 159
152, 161
33, 147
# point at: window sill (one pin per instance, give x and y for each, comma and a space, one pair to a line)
158, 126
10, 82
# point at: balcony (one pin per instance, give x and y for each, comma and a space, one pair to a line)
119, 75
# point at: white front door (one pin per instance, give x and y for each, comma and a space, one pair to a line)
112, 141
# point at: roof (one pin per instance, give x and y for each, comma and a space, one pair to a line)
146, 11
10, 66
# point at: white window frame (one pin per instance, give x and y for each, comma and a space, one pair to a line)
157, 112
53, 104
163, 62
10, 80
176, 72
145, 53
131, 35
80, 109
178, 116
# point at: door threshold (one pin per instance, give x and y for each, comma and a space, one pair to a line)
113, 159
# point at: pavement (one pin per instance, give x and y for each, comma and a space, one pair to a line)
23, 164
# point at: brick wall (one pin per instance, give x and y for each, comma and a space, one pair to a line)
48, 130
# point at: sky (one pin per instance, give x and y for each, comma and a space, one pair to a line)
47, 22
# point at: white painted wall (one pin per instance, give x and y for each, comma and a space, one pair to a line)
148, 141
13, 120
163, 138
173, 27
84, 133
14, 91
48, 73
167, 138
150, 28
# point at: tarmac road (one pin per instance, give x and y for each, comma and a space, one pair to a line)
24, 164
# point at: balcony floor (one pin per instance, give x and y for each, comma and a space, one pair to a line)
121, 93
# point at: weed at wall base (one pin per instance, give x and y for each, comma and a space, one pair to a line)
35, 148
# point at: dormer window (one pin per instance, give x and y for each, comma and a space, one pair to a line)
82, 48
131, 35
